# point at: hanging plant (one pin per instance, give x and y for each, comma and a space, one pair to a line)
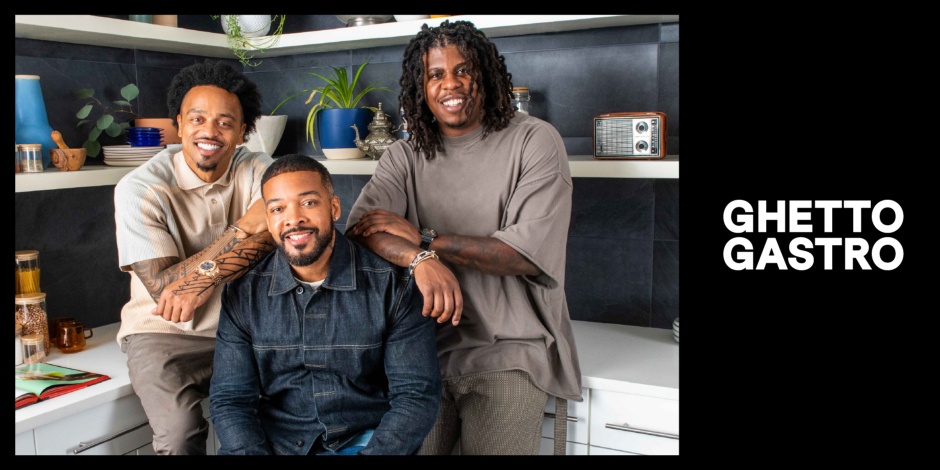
245, 44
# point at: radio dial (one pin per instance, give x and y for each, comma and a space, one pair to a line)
641, 146
642, 127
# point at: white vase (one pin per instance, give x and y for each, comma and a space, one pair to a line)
252, 26
267, 134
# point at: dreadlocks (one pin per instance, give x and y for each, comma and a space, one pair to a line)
488, 71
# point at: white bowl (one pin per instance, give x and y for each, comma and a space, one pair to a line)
400, 18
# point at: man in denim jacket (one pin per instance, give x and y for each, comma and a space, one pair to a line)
321, 347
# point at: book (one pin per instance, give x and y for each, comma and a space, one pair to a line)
42, 381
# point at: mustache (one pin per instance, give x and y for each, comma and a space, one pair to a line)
284, 235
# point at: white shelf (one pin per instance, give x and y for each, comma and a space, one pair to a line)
111, 32
582, 166
87, 176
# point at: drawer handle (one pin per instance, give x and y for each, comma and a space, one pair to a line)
83, 446
626, 427
573, 419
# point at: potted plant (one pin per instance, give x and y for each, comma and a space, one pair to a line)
338, 104
247, 34
105, 118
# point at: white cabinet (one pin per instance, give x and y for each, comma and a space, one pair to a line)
112, 428
630, 379
577, 430
633, 423
24, 444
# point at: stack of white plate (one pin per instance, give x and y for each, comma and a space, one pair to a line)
125, 155
675, 329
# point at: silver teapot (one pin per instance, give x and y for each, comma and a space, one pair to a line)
380, 135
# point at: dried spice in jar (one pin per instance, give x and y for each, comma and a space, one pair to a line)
31, 313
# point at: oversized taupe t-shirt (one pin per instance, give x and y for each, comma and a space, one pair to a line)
163, 209
514, 185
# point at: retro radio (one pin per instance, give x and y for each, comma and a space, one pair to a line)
630, 136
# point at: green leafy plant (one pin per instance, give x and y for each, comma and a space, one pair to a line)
103, 117
245, 47
338, 92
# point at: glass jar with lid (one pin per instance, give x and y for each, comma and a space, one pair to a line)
520, 99
18, 344
33, 351
31, 158
27, 271
31, 313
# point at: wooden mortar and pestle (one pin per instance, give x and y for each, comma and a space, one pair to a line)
64, 158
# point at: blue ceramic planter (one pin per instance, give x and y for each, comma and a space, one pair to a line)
337, 139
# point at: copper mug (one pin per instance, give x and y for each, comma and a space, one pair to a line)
72, 337
55, 330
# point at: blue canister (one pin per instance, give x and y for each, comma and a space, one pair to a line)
32, 123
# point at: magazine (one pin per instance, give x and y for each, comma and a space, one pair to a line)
42, 381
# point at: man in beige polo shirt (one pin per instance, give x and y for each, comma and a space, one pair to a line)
187, 220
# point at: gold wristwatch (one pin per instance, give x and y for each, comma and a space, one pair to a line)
210, 269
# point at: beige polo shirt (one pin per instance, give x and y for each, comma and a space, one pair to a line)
161, 209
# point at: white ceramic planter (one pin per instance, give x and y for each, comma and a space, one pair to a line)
267, 134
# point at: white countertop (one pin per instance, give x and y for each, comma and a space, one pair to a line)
102, 355
630, 359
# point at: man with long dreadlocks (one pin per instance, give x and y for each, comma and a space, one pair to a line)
477, 202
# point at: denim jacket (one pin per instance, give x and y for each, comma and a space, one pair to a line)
293, 364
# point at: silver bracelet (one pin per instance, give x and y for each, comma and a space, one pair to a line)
234, 227
426, 254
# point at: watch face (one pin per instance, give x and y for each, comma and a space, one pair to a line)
208, 268
428, 232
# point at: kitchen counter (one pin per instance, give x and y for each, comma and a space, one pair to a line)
101, 355
618, 358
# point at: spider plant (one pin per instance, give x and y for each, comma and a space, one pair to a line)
338, 92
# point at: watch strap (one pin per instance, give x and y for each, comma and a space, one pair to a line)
427, 236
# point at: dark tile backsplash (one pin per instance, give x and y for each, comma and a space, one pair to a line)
623, 245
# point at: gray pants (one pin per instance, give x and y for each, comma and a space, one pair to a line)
170, 374
498, 413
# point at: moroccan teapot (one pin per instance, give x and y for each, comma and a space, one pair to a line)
380, 135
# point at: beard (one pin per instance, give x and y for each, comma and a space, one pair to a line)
299, 258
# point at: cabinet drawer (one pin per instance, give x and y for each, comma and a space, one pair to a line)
24, 443
113, 428
634, 423
547, 447
577, 419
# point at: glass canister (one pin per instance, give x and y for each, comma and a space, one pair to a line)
520, 99
31, 313
27, 272
18, 344
33, 351
31, 158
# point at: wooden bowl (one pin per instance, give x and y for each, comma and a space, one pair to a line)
68, 159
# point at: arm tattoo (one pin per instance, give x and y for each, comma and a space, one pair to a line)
234, 257
233, 264
489, 255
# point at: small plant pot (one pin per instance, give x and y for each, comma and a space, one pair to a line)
337, 138
267, 134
